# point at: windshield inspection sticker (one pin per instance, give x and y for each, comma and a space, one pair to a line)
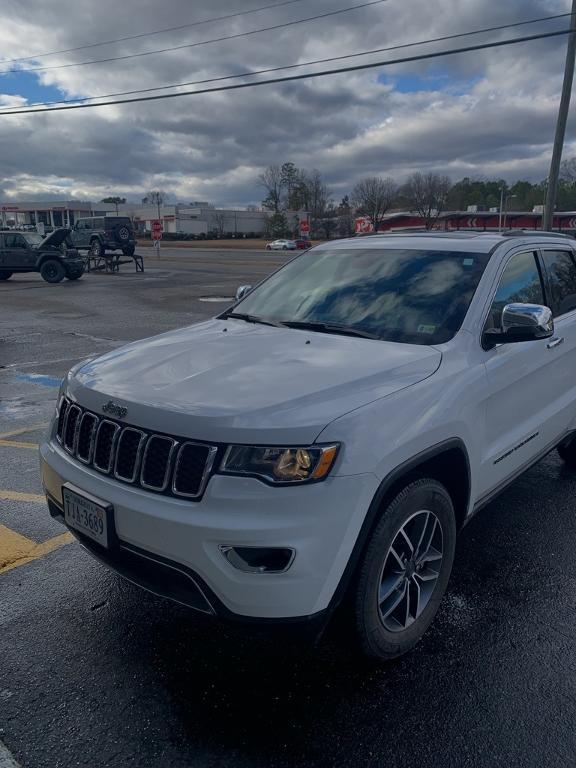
468, 263
426, 329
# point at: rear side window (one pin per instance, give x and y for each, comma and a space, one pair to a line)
561, 269
14, 241
520, 283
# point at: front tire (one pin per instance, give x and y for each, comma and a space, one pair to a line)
96, 248
5, 275
567, 451
405, 570
52, 271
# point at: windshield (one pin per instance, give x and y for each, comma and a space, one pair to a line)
33, 239
411, 296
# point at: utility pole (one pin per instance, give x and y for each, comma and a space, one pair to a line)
561, 125
501, 206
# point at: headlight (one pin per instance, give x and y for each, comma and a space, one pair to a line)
280, 465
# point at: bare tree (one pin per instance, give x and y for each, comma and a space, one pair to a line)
318, 195
427, 194
373, 196
568, 170
273, 181
219, 221
155, 197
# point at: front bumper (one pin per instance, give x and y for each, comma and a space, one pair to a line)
182, 538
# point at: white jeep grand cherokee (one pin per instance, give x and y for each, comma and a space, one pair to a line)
329, 434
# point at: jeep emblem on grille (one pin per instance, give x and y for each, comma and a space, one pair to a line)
115, 410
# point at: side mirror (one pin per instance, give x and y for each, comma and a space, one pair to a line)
521, 322
242, 291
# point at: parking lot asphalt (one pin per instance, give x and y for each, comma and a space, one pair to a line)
95, 672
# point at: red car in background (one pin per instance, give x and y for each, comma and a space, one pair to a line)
302, 244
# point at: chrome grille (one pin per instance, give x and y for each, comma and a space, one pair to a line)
158, 463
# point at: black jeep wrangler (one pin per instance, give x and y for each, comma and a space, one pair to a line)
52, 255
104, 233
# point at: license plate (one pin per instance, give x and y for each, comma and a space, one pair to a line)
89, 516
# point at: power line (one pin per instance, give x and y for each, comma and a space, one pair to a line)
306, 76
297, 66
195, 45
154, 32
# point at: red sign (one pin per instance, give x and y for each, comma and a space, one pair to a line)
304, 227
363, 225
156, 229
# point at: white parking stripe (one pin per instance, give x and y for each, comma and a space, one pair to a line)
6, 759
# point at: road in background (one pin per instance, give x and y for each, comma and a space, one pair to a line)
96, 672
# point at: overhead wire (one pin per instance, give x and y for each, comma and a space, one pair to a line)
299, 65
140, 35
305, 76
221, 39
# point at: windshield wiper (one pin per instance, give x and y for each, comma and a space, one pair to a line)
250, 319
344, 330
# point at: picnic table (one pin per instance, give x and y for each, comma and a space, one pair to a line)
111, 262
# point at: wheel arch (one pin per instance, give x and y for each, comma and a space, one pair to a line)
47, 256
447, 462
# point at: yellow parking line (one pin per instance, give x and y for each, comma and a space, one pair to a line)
18, 444
23, 431
17, 496
17, 550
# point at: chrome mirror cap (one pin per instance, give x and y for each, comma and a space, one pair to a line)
535, 320
520, 322
242, 291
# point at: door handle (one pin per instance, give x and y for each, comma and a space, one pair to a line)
555, 342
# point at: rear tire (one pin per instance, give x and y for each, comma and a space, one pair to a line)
567, 451
5, 275
96, 248
405, 569
52, 271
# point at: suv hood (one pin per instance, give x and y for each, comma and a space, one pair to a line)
227, 381
56, 238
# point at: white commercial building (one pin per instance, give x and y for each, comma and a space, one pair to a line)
196, 218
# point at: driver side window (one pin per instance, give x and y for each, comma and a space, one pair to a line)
520, 283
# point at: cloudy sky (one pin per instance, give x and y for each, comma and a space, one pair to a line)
487, 113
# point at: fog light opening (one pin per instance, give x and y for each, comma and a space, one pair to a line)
259, 559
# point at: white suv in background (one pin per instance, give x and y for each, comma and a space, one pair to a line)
329, 434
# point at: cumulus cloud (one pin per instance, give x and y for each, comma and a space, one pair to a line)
490, 112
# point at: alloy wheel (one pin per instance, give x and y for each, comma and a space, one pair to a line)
411, 569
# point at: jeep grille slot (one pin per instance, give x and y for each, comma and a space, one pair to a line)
62, 419
72, 420
86, 434
193, 465
105, 444
158, 463
130, 444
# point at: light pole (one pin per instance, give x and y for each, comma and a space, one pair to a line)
501, 208
561, 125
508, 198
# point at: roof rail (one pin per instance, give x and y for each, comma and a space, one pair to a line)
534, 233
